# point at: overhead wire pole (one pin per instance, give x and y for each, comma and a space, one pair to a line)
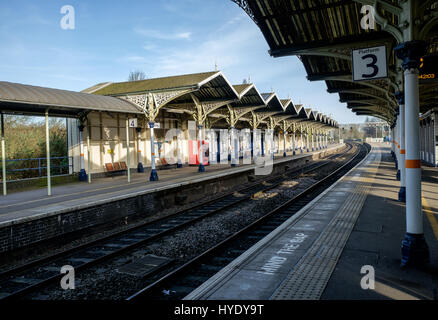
3, 154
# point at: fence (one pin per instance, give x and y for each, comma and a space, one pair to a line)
17, 169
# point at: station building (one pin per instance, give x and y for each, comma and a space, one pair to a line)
195, 105
162, 122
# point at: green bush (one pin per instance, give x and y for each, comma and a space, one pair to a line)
25, 137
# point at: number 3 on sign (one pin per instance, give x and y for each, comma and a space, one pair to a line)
369, 63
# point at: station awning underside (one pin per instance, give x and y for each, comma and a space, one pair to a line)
322, 34
210, 91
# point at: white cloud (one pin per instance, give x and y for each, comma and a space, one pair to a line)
234, 49
150, 47
163, 35
136, 59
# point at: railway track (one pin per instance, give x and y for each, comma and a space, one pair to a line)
31, 277
181, 281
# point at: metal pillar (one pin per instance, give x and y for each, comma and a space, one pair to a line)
302, 142
252, 144
262, 135
201, 167
402, 192
82, 172
49, 178
233, 147
293, 143
3, 154
139, 165
307, 142
414, 247
397, 149
88, 151
178, 151
154, 174
313, 142
128, 164
284, 143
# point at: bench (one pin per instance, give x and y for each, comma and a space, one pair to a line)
116, 167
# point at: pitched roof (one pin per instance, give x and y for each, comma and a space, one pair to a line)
17, 97
241, 87
157, 84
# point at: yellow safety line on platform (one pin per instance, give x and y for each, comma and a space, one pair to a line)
431, 216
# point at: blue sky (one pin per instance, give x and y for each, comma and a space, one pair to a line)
161, 37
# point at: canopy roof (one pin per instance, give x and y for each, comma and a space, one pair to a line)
249, 96
206, 86
322, 34
26, 99
176, 92
273, 103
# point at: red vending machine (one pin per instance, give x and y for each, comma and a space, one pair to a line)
193, 152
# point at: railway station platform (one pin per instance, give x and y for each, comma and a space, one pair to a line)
319, 252
31, 216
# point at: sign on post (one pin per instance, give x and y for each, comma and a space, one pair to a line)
133, 123
369, 63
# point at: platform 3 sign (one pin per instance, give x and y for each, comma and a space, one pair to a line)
369, 63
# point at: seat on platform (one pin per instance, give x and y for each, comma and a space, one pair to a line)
116, 167
123, 165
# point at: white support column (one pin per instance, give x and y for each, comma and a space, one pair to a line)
414, 247
82, 172
284, 143
233, 144
201, 167
154, 175
402, 192
313, 139
89, 150
307, 141
49, 178
397, 147
139, 157
178, 151
293, 143
431, 140
302, 142
4, 178
318, 140
128, 162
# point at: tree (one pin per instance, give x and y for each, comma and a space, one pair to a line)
136, 75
